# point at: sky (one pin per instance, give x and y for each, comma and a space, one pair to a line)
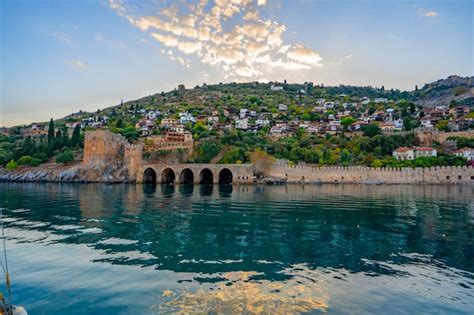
59, 57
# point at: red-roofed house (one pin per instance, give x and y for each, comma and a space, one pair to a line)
404, 153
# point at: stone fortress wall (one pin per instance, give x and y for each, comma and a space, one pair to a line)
102, 147
361, 174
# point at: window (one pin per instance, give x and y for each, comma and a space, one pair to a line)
447, 177
459, 177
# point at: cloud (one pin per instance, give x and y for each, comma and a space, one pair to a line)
77, 64
229, 34
62, 37
305, 55
346, 58
431, 13
426, 13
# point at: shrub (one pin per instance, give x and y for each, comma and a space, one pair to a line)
28, 160
12, 165
65, 157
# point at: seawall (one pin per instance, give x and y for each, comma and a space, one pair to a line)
370, 175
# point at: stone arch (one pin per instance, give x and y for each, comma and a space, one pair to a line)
186, 176
149, 176
168, 176
206, 176
225, 176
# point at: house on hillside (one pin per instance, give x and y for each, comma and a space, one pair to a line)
425, 152
404, 153
465, 152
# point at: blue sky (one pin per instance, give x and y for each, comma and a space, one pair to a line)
61, 56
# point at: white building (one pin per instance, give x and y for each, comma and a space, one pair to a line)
466, 152
404, 153
242, 124
282, 107
275, 88
425, 152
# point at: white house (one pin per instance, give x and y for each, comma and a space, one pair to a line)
425, 152
242, 124
186, 117
404, 153
262, 122
426, 123
275, 88
282, 107
466, 152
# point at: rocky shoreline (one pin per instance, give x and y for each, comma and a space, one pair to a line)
112, 173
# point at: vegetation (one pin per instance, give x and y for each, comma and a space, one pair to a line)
65, 157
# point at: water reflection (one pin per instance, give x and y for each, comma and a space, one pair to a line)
254, 249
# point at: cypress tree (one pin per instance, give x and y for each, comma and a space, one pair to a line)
76, 136
51, 132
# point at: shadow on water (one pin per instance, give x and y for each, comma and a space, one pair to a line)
225, 190
186, 190
206, 189
149, 189
168, 190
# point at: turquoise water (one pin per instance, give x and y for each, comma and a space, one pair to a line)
337, 249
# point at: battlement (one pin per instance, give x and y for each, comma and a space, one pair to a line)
363, 174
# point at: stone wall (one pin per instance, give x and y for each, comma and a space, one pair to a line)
133, 159
241, 173
427, 137
360, 174
102, 147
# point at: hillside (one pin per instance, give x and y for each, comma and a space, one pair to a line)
444, 91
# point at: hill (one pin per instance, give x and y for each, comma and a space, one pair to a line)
445, 91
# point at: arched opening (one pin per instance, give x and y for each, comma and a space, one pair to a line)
168, 176
225, 176
149, 176
186, 176
206, 176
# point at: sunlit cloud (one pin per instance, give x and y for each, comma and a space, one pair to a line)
77, 64
229, 34
426, 13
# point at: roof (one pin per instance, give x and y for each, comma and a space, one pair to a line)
403, 149
425, 149
465, 149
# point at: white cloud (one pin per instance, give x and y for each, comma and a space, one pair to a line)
228, 34
77, 64
305, 55
422, 12
431, 13
62, 37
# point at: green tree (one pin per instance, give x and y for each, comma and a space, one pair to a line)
371, 130
51, 132
65, 157
76, 136
442, 125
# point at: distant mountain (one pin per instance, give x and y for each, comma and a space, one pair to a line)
444, 91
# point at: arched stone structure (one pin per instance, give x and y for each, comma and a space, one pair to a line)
186, 176
225, 176
149, 176
198, 173
168, 176
206, 176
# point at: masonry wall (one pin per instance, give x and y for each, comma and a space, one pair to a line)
133, 154
356, 174
103, 146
